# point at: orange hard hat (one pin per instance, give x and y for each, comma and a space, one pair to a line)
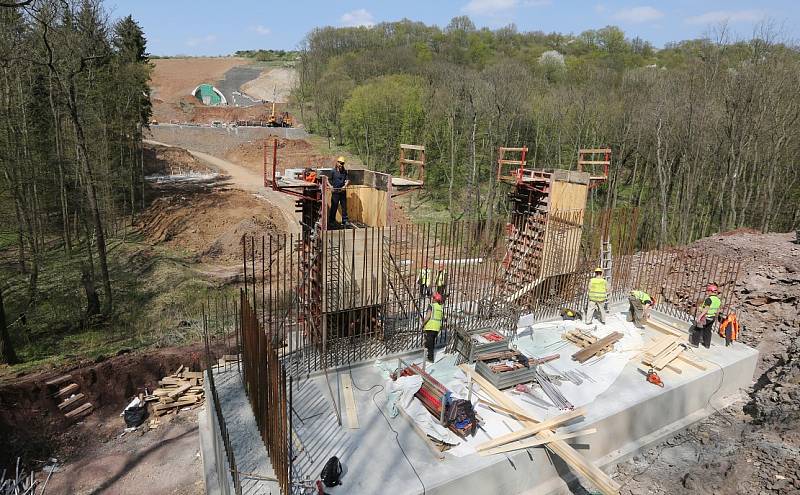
437, 297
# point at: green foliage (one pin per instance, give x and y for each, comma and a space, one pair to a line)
269, 55
694, 109
391, 108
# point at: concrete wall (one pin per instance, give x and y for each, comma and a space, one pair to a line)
216, 471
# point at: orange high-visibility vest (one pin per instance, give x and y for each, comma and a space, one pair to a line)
732, 322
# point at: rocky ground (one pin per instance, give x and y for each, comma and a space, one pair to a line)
754, 445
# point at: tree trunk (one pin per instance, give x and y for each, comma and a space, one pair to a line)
7, 354
83, 159
92, 300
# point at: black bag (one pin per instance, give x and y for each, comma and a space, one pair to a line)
134, 416
332, 472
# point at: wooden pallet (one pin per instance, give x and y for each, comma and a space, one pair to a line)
585, 340
598, 348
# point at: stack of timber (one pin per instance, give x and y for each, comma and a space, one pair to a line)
184, 388
545, 435
505, 369
590, 345
665, 351
72, 402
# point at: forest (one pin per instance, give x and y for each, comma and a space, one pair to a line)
701, 130
74, 99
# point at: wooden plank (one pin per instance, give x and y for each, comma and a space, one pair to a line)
513, 149
72, 387
665, 328
667, 358
177, 403
180, 390
193, 374
535, 442
349, 401
59, 380
506, 410
180, 368
601, 480
413, 147
68, 402
585, 354
532, 430
594, 162
594, 150
412, 162
438, 454
85, 408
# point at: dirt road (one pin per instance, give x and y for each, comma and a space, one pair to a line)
248, 180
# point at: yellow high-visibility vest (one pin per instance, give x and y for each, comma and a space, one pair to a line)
713, 308
597, 289
435, 323
424, 276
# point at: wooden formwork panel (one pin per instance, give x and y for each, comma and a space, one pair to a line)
359, 265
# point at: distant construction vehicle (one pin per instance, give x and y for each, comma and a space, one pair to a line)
282, 120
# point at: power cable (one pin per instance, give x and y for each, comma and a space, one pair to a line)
381, 388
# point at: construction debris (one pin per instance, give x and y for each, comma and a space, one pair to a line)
184, 388
18, 482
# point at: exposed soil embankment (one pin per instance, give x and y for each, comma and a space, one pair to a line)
754, 446
32, 426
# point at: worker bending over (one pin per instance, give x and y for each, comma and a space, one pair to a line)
432, 323
339, 182
639, 304
709, 312
424, 280
597, 297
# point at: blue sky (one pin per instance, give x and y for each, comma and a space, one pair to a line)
202, 27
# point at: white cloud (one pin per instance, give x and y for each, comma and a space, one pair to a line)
202, 40
484, 7
717, 16
639, 14
261, 30
359, 17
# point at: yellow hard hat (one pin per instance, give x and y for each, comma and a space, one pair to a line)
340, 159
598, 270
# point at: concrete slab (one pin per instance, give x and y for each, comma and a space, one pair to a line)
386, 455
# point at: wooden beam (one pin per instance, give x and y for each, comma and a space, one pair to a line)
601, 480
537, 442
594, 150
179, 391
413, 147
665, 328
72, 387
349, 401
67, 402
59, 380
532, 430
514, 414
85, 408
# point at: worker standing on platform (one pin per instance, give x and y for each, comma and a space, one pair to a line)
597, 297
424, 280
709, 312
441, 279
339, 182
639, 303
432, 323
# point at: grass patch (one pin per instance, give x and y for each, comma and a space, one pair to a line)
158, 299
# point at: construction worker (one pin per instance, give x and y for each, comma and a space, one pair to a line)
424, 280
729, 329
709, 311
639, 303
441, 279
597, 297
339, 182
432, 323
